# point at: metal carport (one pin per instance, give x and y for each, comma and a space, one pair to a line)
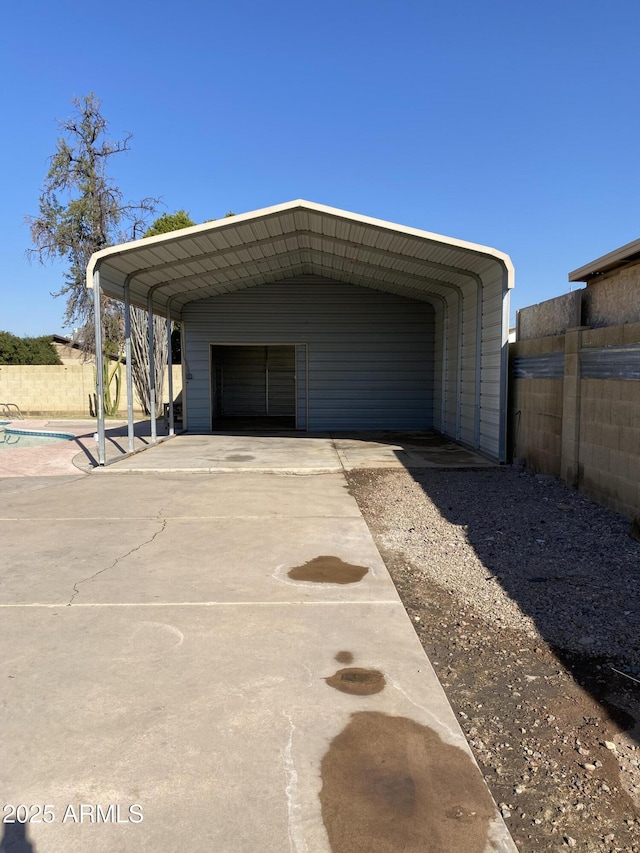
467, 284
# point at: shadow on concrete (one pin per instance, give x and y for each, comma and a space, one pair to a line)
252, 424
15, 840
559, 556
117, 442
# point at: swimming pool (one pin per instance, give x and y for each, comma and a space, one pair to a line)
18, 439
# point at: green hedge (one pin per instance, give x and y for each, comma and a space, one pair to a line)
15, 350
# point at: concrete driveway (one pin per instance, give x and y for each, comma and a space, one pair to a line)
294, 453
219, 662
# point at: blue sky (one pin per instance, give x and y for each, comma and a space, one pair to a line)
505, 123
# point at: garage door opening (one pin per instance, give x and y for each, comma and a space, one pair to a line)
253, 386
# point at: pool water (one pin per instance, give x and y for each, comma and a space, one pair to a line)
18, 439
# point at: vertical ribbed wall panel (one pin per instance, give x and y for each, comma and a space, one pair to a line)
495, 330
243, 381
469, 355
281, 383
370, 354
301, 386
452, 383
439, 365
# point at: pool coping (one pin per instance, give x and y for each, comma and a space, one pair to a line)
77, 455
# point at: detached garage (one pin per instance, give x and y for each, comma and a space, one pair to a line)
311, 318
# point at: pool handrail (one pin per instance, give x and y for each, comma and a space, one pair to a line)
11, 410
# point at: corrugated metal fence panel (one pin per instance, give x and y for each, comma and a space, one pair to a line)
610, 362
546, 365
370, 353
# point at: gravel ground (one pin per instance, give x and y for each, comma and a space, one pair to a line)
525, 596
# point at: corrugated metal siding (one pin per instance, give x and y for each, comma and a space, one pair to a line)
621, 362
546, 365
468, 376
281, 380
254, 381
267, 246
299, 237
453, 371
243, 385
370, 356
301, 386
439, 364
493, 369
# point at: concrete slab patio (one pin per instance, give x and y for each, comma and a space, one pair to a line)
291, 452
158, 658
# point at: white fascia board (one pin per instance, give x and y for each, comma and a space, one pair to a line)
238, 219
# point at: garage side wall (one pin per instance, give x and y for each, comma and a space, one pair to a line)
494, 364
370, 354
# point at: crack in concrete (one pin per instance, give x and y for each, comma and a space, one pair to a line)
297, 842
76, 591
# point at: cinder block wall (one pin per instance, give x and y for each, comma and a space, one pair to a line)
613, 298
609, 441
584, 430
62, 389
535, 407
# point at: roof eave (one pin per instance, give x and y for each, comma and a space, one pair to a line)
606, 263
233, 221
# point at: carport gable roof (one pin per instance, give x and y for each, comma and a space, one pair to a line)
287, 240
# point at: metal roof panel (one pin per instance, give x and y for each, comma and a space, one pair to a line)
262, 245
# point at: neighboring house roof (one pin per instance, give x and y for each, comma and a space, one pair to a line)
622, 257
290, 239
61, 340
70, 351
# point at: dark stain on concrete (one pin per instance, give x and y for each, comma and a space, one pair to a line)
390, 784
240, 457
444, 458
357, 681
344, 657
328, 570
426, 441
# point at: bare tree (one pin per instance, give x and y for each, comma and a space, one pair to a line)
82, 210
139, 324
140, 364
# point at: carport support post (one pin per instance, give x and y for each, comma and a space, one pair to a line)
170, 370
127, 353
97, 320
152, 372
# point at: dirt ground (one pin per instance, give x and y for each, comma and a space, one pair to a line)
554, 728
